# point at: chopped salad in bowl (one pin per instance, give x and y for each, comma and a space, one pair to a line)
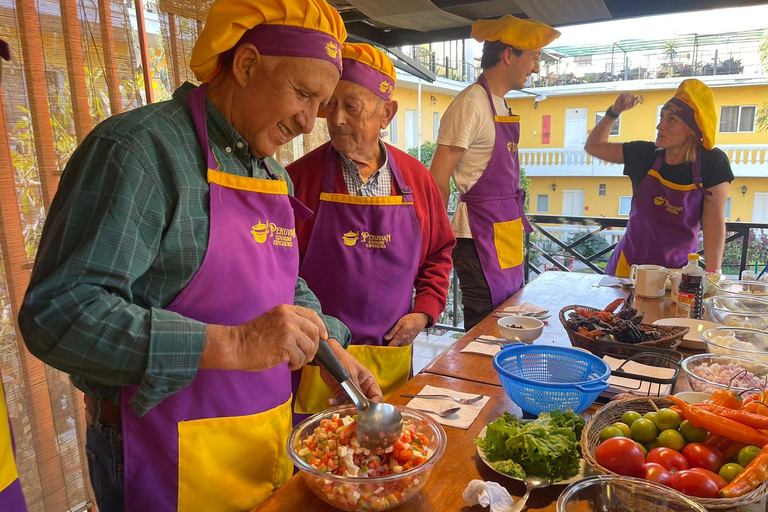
344, 474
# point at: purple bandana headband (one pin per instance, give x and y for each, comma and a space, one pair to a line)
684, 111
365, 76
288, 41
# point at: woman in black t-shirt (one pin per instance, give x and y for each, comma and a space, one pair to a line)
680, 182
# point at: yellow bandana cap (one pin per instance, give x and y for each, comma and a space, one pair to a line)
521, 34
368, 67
699, 97
294, 28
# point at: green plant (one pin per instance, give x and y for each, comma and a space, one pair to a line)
762, 114
427, 152
590, 246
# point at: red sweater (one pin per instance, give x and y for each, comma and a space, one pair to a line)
437, 238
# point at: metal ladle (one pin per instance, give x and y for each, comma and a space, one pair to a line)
378, 425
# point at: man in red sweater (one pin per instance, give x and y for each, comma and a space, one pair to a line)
380, 228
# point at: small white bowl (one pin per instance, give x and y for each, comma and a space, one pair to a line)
531, 328
693, 397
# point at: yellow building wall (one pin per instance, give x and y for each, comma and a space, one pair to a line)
408, 99
636, 124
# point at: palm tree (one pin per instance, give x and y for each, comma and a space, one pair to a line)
670, 50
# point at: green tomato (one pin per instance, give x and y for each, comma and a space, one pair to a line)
609, 432
642, 448
624, 428
671, 438
729, 471
643, 430
650, 416
693, 434
629, 417
747, 454
668, 419
653, 444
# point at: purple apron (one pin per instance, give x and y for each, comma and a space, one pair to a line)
219, 443
664, 222
11, 498
361, 261
496, 210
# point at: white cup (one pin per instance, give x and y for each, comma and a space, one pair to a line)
649, 280
675, 278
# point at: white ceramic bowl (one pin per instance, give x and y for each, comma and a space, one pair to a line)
531, 328
693, 397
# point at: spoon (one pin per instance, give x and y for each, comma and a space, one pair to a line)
531, 482
442, 414
378, 425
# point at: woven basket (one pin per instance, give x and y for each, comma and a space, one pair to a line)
671, 336
612, 412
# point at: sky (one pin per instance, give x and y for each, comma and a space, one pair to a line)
664, 26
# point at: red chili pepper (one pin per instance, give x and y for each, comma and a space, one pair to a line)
733, 448
745, 418
753, 475
721, 426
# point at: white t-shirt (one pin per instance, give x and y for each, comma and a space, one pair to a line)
468, 123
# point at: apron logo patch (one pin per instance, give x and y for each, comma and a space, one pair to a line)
332, 50
280, 236
662, 201
512, 147
351, 238
386, 88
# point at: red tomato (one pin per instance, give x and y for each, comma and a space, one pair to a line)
668, 458
700, 455
655, 473
720, 481
620, 455
694, 483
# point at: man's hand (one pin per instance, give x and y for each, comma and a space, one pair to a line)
284, 333
406, 329
359, 374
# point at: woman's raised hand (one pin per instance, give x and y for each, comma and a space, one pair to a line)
625, 101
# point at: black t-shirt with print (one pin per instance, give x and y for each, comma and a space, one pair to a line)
640, 155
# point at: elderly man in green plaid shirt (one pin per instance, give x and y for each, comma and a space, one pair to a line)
112, 300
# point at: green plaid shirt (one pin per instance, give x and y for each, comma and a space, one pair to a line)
127, 230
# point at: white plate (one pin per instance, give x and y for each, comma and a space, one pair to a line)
584, 469
693, 338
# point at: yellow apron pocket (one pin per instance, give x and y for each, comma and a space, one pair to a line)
390, 365
8, 472
508, 240
233, 464
623, 268
313, 394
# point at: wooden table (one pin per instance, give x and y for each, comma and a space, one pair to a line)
472, 373
550, 290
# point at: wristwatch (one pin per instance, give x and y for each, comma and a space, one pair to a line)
610, 113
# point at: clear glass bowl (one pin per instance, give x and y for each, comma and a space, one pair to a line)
701, 379
614, 493
738, 311
362, 493
738, 341
752, 288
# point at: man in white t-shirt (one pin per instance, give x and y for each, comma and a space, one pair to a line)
478, 137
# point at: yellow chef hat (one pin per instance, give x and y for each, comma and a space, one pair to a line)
521, 34
293, 28
694, 103
368, 67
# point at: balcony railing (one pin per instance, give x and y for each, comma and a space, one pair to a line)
747, 160
584, 244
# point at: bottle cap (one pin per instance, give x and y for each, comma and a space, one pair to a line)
693, 256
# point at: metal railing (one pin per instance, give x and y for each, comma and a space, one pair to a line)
555, 241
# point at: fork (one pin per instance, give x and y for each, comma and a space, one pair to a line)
462, 401
443, 414
491, 342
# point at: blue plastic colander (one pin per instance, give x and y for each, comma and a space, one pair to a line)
542, 378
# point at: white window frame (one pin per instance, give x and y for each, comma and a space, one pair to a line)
602, 190
728, 207
393, 130
537, 203
435, 125
738, 119
616, 123
630, 204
